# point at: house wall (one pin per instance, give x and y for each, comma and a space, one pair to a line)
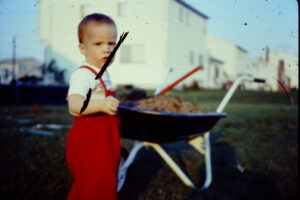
269, 70
6, 72
186, 44
234, 60
146, 22
9, 66
215, 74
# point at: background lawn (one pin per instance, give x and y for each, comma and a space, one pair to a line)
260, 134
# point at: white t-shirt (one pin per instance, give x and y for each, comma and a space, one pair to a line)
83, 79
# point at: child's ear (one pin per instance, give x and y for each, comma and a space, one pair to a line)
82, 49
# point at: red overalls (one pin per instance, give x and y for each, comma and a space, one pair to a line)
93, 154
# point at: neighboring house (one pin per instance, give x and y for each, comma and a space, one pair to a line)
23, 67
162, 33
278, 68
226, 61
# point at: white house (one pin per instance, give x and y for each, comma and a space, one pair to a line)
162, 34
21, 67
226, 61
278, 68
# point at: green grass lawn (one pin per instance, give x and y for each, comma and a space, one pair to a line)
260, 134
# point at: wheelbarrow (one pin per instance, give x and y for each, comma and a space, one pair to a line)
153, 128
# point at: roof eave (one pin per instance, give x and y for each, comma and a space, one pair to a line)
192, 9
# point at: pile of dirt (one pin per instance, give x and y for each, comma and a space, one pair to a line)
168, 103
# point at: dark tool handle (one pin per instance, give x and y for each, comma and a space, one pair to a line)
86, 102
110, 57
99, 75
259, 80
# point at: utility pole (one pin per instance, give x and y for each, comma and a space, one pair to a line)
14, 81
14, 59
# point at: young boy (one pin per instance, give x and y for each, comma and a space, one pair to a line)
93, 143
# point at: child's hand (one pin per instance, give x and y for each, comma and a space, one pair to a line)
110, 105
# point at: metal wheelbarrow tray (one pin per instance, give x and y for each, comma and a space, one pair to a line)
161, 127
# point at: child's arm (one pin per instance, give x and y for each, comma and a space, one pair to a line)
108, 105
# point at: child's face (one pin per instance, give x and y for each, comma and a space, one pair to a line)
98, 42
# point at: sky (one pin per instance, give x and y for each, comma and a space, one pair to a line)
251, 24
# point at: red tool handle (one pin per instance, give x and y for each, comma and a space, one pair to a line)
179, 80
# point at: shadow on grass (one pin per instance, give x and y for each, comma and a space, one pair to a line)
229, 182
148, 164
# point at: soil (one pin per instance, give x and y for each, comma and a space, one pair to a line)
166, 103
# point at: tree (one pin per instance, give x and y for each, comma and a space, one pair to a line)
52, 69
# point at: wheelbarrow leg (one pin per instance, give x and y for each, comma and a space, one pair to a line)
207, 156
171, 163
123, 168
202, 144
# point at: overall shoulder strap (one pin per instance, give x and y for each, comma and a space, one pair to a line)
89, 68
101, 81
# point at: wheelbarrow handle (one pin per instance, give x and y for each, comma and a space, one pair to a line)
234, 87
169, 87
259, 80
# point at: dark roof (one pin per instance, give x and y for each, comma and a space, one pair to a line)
192, 9
19, 60
211, 59
242, 49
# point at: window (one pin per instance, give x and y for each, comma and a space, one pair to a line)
201, 60
181, 14
184, 15
217, 71
125, 53
192, 58
187, 19
134, 53
122, 9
